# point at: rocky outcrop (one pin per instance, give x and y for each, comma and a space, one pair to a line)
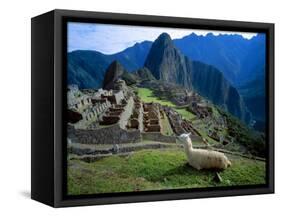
144, 74
87, 68
167, 63
210, 83
113, 73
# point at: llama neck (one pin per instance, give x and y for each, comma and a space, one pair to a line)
188, 147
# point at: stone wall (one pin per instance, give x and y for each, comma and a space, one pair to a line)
175, 121
128, 109
156, 136
140, 118
106, 135
119, 96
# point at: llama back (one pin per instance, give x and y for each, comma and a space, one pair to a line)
208, 159
201, 158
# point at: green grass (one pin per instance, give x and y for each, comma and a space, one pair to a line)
215, 112
201, 127
245, 136
153, 170
147, 96
186, 114
166, 127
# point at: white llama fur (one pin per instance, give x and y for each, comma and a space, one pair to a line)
201, 158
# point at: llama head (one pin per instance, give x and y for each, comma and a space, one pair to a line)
185, 139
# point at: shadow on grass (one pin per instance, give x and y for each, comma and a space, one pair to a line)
186, 169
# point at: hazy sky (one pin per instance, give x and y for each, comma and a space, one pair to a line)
109, 39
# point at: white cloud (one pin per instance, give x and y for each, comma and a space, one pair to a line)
109, 39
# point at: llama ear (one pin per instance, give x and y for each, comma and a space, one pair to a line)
184, 135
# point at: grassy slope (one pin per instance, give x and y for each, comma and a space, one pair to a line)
166, 127
186, 114
147, 96
155, 169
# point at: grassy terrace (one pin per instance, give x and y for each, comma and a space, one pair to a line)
155, 169
147, 96
185, 114
166, 127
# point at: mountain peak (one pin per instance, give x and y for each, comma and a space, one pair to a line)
164, 35
167, 63
113, 73
210, 34
192, 35
115, 64
164, 39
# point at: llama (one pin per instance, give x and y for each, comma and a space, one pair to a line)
201, 158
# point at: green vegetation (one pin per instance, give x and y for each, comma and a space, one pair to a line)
245, 138
155, 169
215, 112
147, 96
200, 126
166, 127
186, 114
130, 78
252, 140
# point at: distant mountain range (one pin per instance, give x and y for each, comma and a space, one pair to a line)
166, 63
87, 68
240, 60
215, 66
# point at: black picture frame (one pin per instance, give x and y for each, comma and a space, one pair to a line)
48, 70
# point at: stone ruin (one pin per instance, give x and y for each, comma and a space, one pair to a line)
121, 106
115, 98
175, 120
151, 117
89, 108
112, 114
94, 116
134, 121
178, 124
195, 103
202, 110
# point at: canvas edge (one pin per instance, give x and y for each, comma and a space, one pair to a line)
59, 201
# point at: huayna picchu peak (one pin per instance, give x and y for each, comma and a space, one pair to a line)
167, 63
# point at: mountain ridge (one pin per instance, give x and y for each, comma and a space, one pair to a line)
167, 63
87, 68
234, 59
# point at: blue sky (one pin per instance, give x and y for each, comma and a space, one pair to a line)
110, 39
